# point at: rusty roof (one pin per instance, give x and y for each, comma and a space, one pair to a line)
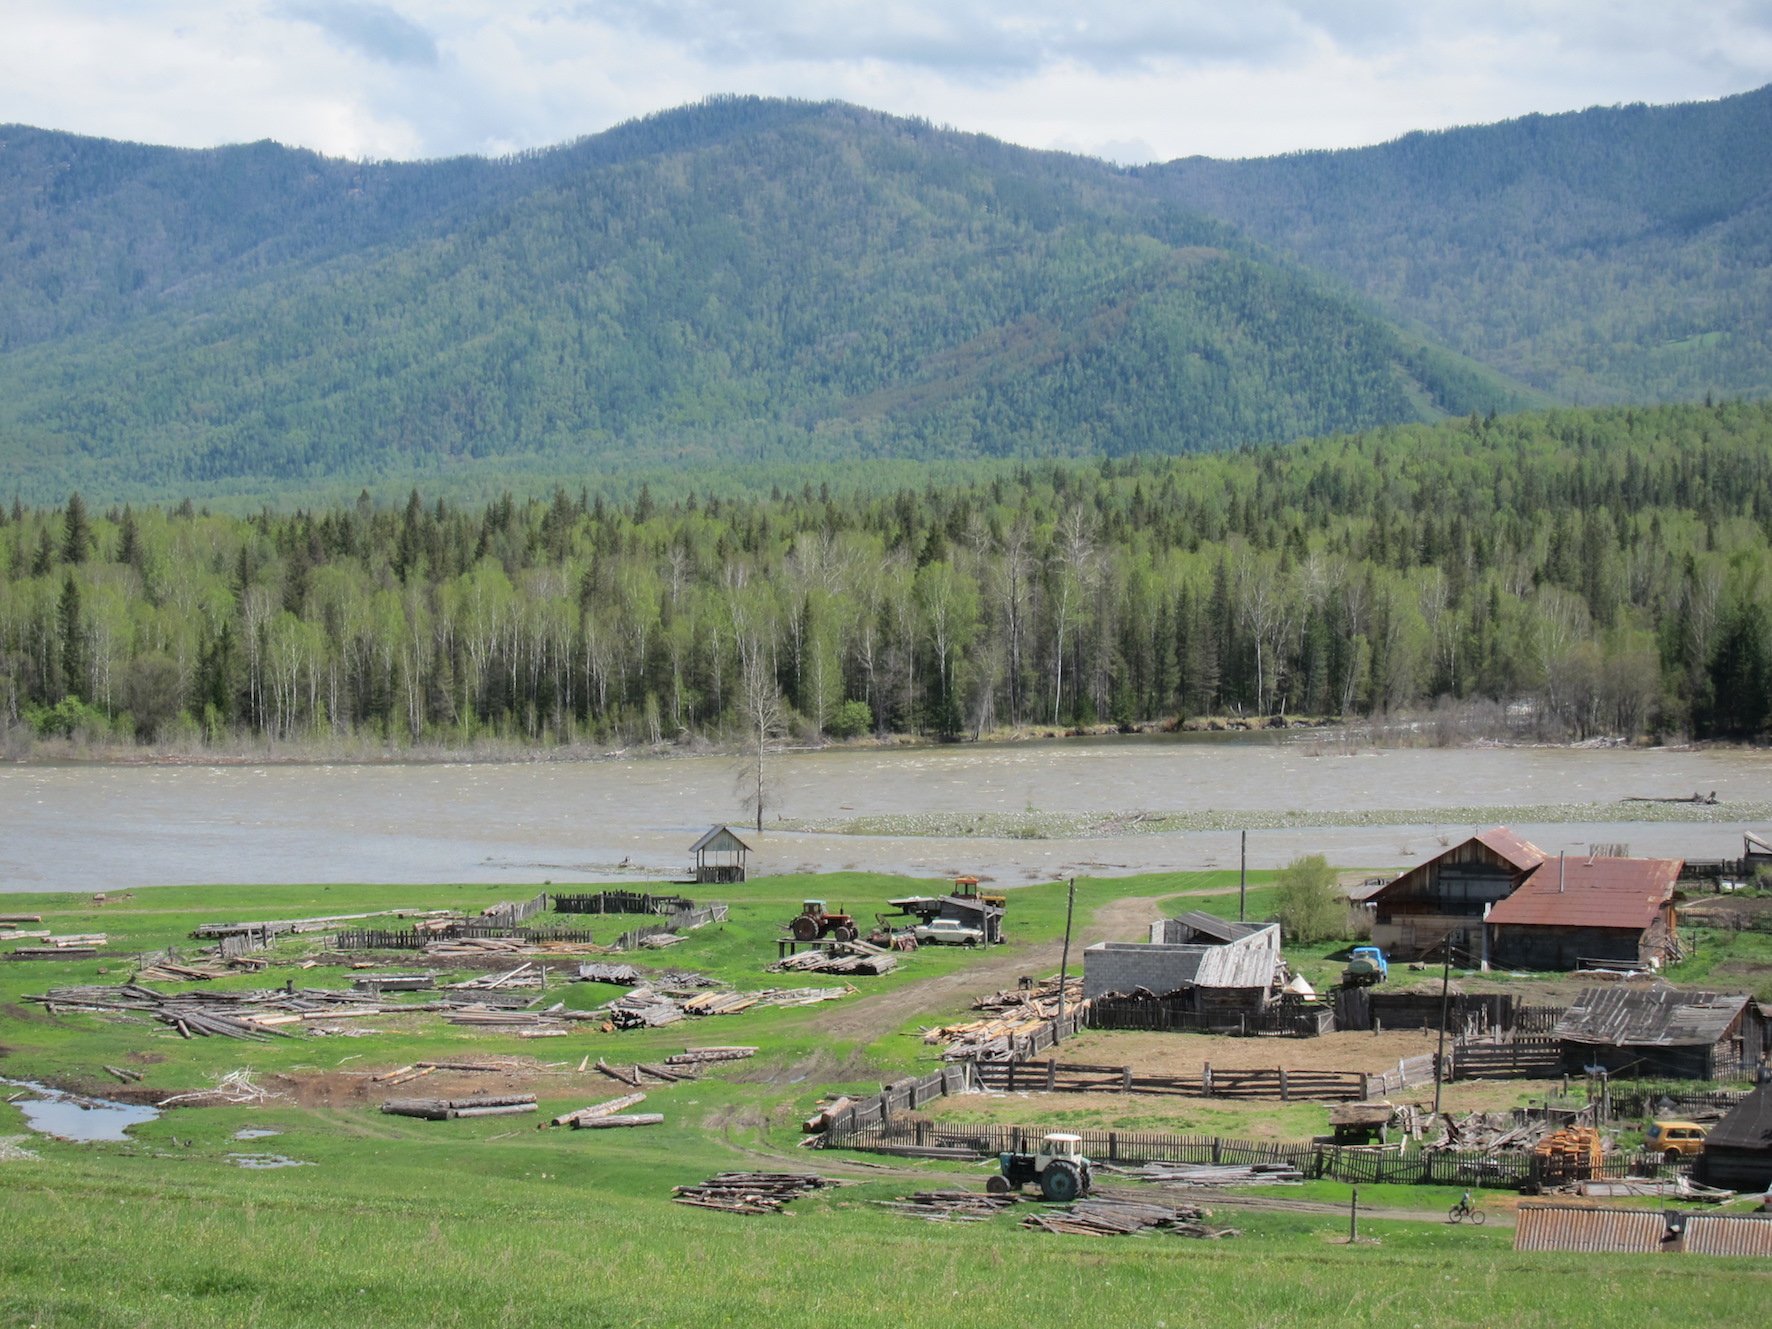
1659, 1016
1570, 1227
1511, 847
1728, 1234
1592, 893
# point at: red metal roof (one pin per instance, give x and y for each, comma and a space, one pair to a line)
1515, 849
1592, 893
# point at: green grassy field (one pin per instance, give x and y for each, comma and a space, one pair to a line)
492, 1221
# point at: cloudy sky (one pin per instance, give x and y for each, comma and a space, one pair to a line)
1136, 80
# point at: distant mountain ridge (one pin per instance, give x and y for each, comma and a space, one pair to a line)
747, 280
1608, 255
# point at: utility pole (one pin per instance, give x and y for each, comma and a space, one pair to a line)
1064, 962
1243, 879
1445, 1001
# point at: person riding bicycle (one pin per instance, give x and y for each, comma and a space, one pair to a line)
1465, 1202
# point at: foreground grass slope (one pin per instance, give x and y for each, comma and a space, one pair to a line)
398, 1222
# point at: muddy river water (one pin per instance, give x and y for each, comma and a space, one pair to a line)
107, 827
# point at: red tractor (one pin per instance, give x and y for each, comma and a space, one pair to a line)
816, 922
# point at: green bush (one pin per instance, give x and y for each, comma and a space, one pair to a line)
852, 719
1309, 908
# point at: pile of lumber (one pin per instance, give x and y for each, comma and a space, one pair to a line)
1488, 1131
641, 1073
1012, 1013
835, 961
749, 1192
701, 1056
1119, 1214
455, 948
631, 975
166, 970
443, 1109
952, 1206
525, 975
74, 946
1213, 1174
649, 1007
248, 1015
393, 982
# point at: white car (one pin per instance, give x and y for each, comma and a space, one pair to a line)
950, 931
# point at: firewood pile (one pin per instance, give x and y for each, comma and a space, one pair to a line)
836, 962
650, 1007
1489, 1131
1119, 1214
248, 1015
631, 975
952, 1206
750, 1192
477, 1105
1013, 1013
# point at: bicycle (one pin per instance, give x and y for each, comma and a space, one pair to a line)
1466, 1209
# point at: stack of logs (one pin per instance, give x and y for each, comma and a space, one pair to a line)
838, 960
1014, 1013
1114, 1214
477, 1105
749, 1192
609, 1114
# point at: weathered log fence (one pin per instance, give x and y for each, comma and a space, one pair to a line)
621, 902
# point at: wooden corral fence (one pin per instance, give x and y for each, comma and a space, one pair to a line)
376, 939
1161, 1013
236, 944
682, 921
1652, 1102
621, 902
1504, 1170
1286, 1085
517, 911
901, 1096
1532, 1057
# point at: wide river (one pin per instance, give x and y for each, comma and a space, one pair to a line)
105, 827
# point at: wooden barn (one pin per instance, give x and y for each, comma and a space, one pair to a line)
1660, 1032
1738, 1152
720, 855
1576, 913
1444, 898
1225, 971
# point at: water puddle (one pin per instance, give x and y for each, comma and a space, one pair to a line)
73, 1117
254, 1133
260, 1161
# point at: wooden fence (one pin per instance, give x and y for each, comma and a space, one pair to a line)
902, 1096
375, 939
1529, 1057
621, 902
682, 921
1285, 1085
1511, 1170
515, 912
1161, 1013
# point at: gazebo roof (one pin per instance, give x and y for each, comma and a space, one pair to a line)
721, 837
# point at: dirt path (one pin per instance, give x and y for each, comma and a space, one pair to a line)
874, 1017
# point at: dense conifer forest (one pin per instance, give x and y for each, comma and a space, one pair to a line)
1604, 571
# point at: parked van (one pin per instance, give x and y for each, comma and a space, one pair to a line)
1673, 1139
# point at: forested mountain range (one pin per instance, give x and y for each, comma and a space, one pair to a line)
1612, 255
739, 281
1600, 571
753, 283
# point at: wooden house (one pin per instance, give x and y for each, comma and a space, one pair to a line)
1738, 1152
720, 855
1443, 899
1575, 913
1660, 1032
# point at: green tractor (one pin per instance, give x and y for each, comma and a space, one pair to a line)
1059, 1169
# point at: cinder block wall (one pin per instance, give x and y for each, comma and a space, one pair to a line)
1121, 966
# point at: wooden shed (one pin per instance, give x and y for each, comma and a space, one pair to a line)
1738, 1152
720, 855
1444, 898
1660, 1031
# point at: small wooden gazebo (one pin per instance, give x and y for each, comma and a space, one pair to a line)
720, 855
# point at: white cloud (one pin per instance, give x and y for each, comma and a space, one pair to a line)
1141, 79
